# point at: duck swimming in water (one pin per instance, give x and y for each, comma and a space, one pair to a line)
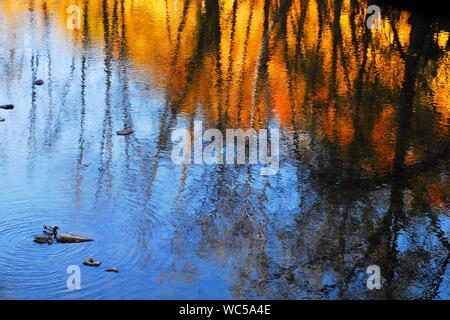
51, 231
43, 240
52, 235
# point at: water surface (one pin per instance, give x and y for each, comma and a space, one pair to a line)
365, 165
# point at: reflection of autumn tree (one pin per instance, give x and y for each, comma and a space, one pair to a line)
402, 269
248, 61
397, 218
338, 243
81, 137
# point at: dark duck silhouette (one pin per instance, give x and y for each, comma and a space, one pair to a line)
43, 240
51, 231
50, 235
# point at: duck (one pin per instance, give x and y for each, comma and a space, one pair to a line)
51, 231
43, 240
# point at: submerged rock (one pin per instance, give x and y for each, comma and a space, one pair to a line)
39, 82
125, 132
7, 107
43, 240
72, 238
2, 119
92, 263
112, 269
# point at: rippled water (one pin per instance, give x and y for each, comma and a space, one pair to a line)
364, 174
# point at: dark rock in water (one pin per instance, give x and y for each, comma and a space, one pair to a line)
7, 107
115, 270
43, 240
39, 82
92, 263
125, 132
72, 238
2, 119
